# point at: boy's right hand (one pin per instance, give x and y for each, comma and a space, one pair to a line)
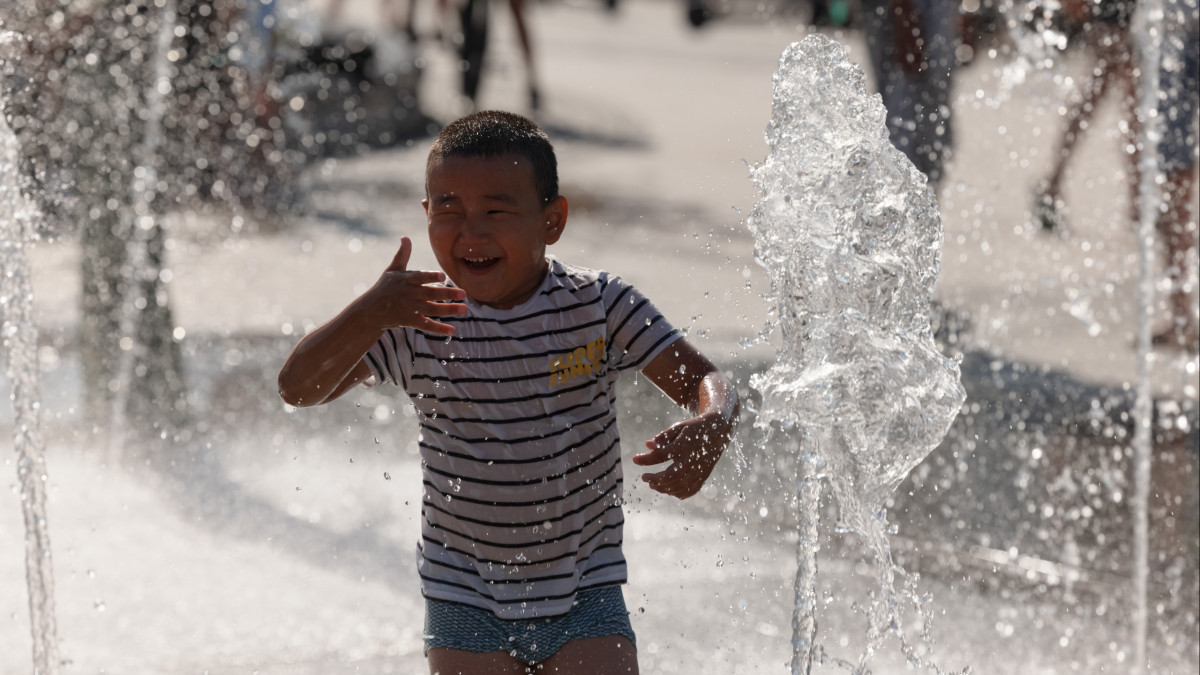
411, 298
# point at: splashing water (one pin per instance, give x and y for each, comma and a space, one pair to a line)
850, 236
144, 191
1148, 34
17, 218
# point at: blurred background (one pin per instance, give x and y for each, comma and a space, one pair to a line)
194, 184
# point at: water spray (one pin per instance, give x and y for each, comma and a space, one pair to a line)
849, 233
18, 216
1148, 29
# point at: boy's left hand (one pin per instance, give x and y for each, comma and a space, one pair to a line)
693, 447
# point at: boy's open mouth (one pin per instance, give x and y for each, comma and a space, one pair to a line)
480, 264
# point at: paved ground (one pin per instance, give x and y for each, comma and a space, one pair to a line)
288, 565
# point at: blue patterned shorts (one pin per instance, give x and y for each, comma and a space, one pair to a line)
597, 612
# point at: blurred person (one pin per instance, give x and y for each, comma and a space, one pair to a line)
1103, 25
1179, 107
698, 12
511, 358
254, 51
912, 49
830, 13
471, 42
531, 79
386, 50
397, 20
474, 23
980, 25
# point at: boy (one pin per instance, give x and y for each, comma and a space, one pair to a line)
511, 359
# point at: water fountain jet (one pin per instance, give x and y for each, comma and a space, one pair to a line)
1148, 29
849, 233
18, 216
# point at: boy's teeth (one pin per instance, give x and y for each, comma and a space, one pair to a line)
479, 263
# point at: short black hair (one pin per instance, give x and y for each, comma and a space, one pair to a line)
494, 133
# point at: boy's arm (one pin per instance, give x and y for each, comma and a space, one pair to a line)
694, 445
328, 361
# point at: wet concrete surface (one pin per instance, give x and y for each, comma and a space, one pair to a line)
1020, 522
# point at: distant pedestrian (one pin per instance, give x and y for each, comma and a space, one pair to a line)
912, 43
1103, 26
698, 12
1179, 108
396, 19
523, 35
474, 22
830, 13
255, 22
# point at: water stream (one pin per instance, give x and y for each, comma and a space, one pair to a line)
18, 217
1147, 32
144, 190
1039, 46
849, 233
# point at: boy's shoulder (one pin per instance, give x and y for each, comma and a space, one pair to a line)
577, 279
577, 276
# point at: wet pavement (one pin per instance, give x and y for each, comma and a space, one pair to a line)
302, 533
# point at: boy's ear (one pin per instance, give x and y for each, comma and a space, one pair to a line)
556, 218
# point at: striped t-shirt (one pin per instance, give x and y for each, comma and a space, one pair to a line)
520, 452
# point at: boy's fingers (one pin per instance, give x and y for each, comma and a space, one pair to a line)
654, 480
437, 293
660, 447
672, 481
400, 260
444, 309
422, 277
436, 327
657, 455
669, 435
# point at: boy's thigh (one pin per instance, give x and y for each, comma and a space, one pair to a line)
608, 655
445, 661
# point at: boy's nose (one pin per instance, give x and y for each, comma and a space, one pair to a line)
475, 227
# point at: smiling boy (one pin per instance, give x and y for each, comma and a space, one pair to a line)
511, 358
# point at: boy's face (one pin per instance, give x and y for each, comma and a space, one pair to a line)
488, 227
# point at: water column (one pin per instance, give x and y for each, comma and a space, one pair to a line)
1147, 32
849, 233
144, 191
18, 217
